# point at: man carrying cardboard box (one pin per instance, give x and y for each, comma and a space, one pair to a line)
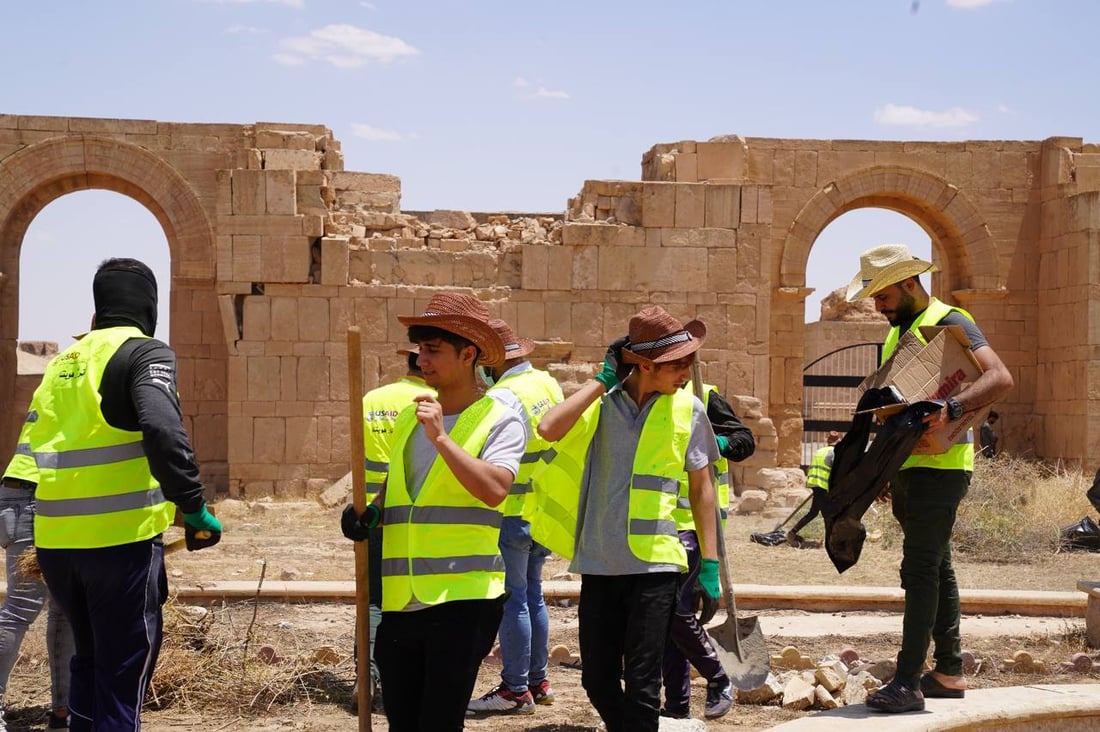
928, 488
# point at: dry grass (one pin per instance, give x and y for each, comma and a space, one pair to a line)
1013, 512
215, 659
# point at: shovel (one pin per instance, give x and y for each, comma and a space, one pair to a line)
738, 642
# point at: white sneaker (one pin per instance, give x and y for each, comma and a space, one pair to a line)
503, 700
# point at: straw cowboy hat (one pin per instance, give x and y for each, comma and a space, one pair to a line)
884, 266
657, 337
514, 347
832, 438
465, 316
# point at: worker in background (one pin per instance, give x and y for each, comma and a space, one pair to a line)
817, 479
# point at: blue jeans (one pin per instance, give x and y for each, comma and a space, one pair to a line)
525, 626
25, 599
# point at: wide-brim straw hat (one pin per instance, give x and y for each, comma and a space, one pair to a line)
832, 438
884, 266
514, 346
465, 316
657, 337
413, 350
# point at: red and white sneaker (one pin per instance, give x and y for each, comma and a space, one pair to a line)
541, 692
503, 700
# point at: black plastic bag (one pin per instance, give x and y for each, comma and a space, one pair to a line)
1084, 534
770, 538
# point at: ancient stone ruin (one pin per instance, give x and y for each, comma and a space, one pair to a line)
276, 250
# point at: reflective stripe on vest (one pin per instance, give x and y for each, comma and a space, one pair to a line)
380, 409
22, 465
442, 546
685, 521
654, 485
818, 474
537, 391
94, 485
961, 455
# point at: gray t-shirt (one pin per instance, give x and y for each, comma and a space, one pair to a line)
601, 544
504, 447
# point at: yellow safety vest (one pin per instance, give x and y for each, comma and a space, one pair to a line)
658, 469
442, 546
684, 519
22, 465
538, 391
94, 487
380, 409
959, 456
818, 474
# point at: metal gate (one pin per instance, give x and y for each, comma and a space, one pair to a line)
829, 392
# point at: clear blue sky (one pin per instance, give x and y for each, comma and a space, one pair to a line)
505, 105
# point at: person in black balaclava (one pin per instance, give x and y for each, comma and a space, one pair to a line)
113, 457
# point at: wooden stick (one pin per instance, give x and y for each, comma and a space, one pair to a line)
359, 500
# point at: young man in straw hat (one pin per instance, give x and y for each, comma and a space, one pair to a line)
525, 627
455, 456
380, 409
927, 490
623, 449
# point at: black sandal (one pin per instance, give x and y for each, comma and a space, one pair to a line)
931, 687
895, 698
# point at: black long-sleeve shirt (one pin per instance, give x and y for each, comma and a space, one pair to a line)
138, 393
726, 424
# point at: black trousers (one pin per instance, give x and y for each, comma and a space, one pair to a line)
925, 502
429, 659
820, 496
624, 623
112, 597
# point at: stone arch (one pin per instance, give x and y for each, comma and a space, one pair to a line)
960, 237
40, 173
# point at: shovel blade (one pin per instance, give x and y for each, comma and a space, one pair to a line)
743, 652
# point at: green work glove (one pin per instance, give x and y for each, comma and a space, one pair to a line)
708, 577
723, 443
201, 529
608, 375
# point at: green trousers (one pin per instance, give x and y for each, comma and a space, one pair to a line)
925, 502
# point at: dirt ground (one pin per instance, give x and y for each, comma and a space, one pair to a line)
302, 541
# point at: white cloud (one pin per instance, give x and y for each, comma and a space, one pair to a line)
969, 4
344, 46
544, 93
244, 30
376, 134
368, 6
287, 59
907, 116
521, 82
1004, 108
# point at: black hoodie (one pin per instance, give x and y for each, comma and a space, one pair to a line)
139, 383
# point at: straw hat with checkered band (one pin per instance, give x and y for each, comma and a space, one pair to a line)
465, 316
657, 337
883, 266
514, 346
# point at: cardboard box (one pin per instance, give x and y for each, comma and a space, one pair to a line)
941, 369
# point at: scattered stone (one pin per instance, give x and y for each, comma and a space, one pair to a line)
1023, 662
858, 686
831, 677
971, 663
565, 577
336, 494
752, 501
668, 724
290, 574
494, 659
460, 220
798, 694
849, 656
269, 654
882, 670
823, 699
770, 689
326, 656
560, 653
176, 573
791, 658
1079, 663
